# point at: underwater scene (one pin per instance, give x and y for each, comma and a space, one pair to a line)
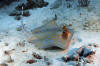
49, 32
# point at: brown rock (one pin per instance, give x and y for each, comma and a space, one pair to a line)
31, 61
24, 51
3, 64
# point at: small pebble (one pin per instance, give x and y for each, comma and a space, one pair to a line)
48, 63
21, 44
45, 58
36, 56
6, 44
19, 29
24, 51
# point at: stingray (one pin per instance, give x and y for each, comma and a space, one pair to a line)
49, 35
